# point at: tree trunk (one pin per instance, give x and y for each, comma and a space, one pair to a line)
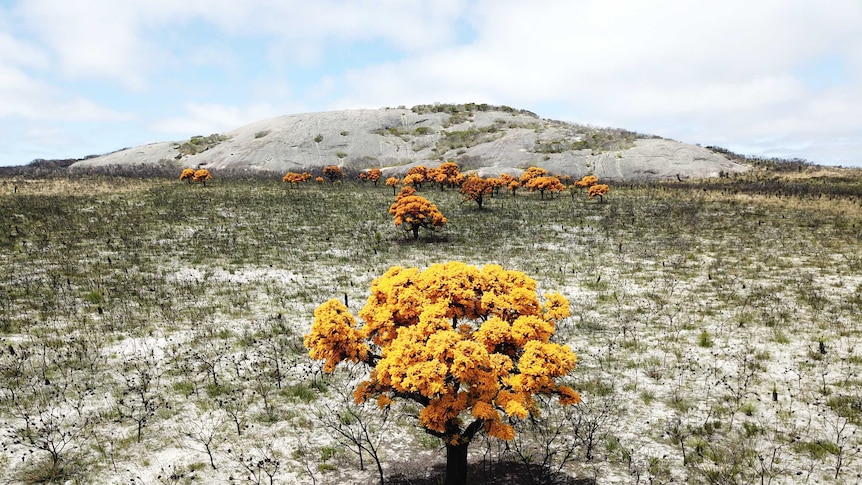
415, 232
456, 464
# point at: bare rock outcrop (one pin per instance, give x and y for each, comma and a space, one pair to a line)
487, 139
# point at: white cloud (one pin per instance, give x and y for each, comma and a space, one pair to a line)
705, 71
92, 38
732, 72
27, 97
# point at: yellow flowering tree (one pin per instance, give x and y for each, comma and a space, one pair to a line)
587, 181
471, 346
188, 174
415, 212
416, 176
393, 182
476, 188
294, 178
598, 190
374, 175
532, 173
544, 184
202, 175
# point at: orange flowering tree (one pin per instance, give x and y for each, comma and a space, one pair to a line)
188, 174
393, 182
294, 178
374, 175
532, 173
587, 181
459, 179
405, 191
202, 175
414, 179
415, 212
475, 189
513, 186
333, 173
471, 346
598, 190
500, 183
496, 183
436, 176
416, 176
446, 175
545, 184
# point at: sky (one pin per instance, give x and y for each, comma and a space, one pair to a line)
767, 78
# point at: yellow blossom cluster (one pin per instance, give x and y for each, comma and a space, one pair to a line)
587, 181
334, 336
415, 212
295, 177
598, 190
187, 174
202, 175
462, 341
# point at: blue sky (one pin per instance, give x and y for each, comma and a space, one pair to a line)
778, 78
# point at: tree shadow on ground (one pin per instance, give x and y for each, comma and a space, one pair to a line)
479, 473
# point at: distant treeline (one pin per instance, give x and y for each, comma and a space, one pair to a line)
772, 164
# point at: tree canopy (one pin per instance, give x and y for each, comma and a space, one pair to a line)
202, 175
374, 175
472, 346
415, 212
598, 190
333, 173
188, 174
587, 181
295, 177
544, 184
531, 173
475, 188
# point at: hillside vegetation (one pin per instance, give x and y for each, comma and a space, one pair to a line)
151, 330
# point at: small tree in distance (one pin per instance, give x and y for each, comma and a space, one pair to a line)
532, 173
333, 173
405, 191
202, 175
393, 182
415, 212
416, 176
544, 184
475, 189
598, 190
587, 181
188, 174
446, 175
470, 346
513, 186
374, 175
294, 178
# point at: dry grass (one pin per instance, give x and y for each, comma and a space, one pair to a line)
716, 326
74, 186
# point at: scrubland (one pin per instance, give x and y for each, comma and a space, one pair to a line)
151, 330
